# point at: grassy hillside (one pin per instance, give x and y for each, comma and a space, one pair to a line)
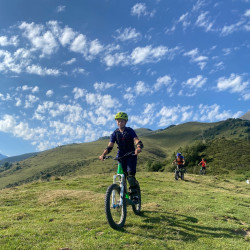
223, 157
198, 213
83, 158
17, 158
231, 128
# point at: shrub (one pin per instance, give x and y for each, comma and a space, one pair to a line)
155, 166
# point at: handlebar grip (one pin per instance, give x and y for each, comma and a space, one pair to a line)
107, 157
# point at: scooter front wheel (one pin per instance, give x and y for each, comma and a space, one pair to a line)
115, 214
176, 175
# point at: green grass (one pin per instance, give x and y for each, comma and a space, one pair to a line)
202, 212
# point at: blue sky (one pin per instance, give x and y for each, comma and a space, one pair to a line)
68, 66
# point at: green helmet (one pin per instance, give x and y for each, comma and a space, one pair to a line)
121, 115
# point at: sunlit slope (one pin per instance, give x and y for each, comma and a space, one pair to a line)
58, 161
82, 158
17, 158
169, 140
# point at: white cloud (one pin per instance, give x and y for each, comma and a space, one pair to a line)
4, 41
227, 51
66, 36
99, 120
69, 62
176, 114
5, 98
127, 34
247, 26
102, 100
9, 125
141, 55
247, 13
204, 22
217, 67
228, 29
95, 47
162, 81
79, 93
49, 93
35, 89
186, 115
141, 88
184, 20
140, 9
44, 107
40, 38
27, 88
70, 113
196, 58
38, 70
146, 118
129, 96
200, 58
60, 8
173, 115
116, 59
234, 84
246, 96
149, 108
8, 63
30, 100
103, 86
18, 102
212, 113
196, 82
67, 131
198, 5
79, 44
79, 71
192, 53
16, 62
44, 145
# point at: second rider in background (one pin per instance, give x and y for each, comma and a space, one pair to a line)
126, 139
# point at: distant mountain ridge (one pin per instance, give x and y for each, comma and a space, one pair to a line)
16, 158
3, 156
246, 116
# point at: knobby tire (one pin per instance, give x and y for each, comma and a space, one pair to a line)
202, 172
182, 175
116, 217
176, 176
137, 207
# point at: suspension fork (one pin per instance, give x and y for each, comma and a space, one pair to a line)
121, 180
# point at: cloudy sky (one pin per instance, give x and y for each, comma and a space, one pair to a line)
68, 66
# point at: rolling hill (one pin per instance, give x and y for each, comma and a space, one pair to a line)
3, 157
16, 158
159, 145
